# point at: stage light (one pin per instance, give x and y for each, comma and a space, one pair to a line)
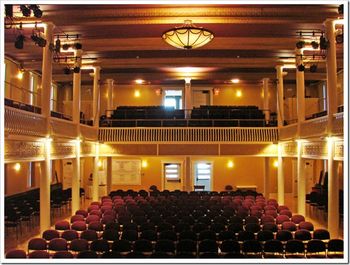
76, 69
78, 46
301, 67
66, 70
313, 68
36, 10
58, 45
19, 43
323, 43
315, 45
300, 44
25, 10
65, 47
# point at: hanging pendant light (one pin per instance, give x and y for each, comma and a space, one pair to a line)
188, 36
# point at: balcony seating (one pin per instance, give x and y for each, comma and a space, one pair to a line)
203, 116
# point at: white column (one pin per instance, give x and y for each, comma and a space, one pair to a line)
280, 95
110, 85
266, 100
300, 89
46, 78
77, 89
109, 174
45, 181
188, 97
96, 97
301, 180
95, 180
331, 63
333, 192
76, 179
267, 177
280, 177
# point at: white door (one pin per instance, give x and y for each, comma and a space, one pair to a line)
172, 175
203, 174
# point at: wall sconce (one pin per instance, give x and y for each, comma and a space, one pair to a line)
159, 91
20, 74
216, 91
275, 163
17, 167
137, 94
238, 93
99, 164
144, 164
230, 164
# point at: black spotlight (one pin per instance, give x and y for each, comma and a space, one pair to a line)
34, 38
9, 10
65, 47
66, 70
300, 44
19, 41
315, 45
301, 67
41, 42
78, 46
323, 43
25, 10
76, 69
36, 10
58, 45
341, 9
313, 68
339, 38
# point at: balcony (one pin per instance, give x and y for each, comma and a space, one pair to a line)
206, 135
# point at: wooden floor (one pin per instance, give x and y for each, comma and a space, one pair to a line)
318, 218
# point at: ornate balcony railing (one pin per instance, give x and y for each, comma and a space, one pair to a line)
338, 124
288, 132
88, 132
188, 134
63, 128
22, 122
314, 127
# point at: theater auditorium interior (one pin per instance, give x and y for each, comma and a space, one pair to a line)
174, 131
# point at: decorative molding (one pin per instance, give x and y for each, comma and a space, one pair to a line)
314, 127
288, 132
24, 150
338, 124
339, 150
290, 149
315, 149
62, 150
88, 132
63, 128
87, 149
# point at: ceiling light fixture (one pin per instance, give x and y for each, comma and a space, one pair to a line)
188, 36
235, 80
139, 81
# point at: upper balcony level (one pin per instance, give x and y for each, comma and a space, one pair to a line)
26, 123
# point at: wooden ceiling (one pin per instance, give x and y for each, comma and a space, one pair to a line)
125, 40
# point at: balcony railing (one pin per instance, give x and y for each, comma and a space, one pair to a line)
188, 134
314, 127
288, 132
63, 128
22, 122
88, 132
338, 123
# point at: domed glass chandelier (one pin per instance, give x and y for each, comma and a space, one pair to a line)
188, 36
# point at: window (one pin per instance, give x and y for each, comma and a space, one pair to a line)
31, 88
172, 171
173, 98
203, 171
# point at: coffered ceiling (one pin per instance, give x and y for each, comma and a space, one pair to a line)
125, 40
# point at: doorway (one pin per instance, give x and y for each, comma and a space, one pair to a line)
172, 175
173, 98
203, 173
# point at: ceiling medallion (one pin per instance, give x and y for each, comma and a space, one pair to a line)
188, 36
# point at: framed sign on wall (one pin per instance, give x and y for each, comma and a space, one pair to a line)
126, 172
